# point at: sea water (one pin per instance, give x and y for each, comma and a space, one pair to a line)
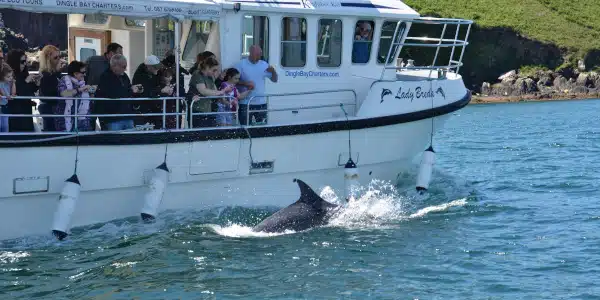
512, 213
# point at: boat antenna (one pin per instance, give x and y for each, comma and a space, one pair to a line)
348, 126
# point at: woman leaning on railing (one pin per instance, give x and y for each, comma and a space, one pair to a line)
73, 87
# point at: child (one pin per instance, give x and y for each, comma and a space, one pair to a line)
231, 78
167, 89
8, 89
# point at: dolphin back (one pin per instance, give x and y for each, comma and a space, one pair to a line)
309, 211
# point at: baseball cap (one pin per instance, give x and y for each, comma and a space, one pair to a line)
152, 60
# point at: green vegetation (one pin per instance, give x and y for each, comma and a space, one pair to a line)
530, 71
574, 24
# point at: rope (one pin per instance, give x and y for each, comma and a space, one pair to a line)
348, 127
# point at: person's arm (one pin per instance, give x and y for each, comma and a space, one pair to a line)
272, 74
206, 92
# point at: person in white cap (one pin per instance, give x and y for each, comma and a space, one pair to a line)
147, 75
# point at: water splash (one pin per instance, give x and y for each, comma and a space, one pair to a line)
241, 231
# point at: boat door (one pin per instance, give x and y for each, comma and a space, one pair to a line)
87, 43
214, 156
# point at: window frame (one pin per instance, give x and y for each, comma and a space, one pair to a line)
373, 26
403, 32
281, 42
242, 32
341, 48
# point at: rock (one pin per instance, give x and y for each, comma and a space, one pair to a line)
584, 80
508, 77
486, 89
580, 90
531, 87
581, 65
594, 79
561, 83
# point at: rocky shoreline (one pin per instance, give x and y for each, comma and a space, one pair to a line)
541, 85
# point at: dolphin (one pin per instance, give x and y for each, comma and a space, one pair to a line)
309, 211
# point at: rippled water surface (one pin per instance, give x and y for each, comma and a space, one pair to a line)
513, 213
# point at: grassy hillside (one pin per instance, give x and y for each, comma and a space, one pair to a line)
521, 34
572, 24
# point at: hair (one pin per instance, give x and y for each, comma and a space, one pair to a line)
229, 73
117, 59
4, 71
167, 72
204, 55
208, 63
113, 47
74, 67
45, 65
14, 61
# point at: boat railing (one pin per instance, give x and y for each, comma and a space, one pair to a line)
438, 43
210, 98
302, 107
76, 116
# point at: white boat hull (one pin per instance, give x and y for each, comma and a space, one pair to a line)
113, 178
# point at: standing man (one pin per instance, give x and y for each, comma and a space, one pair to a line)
253, 72
96, 65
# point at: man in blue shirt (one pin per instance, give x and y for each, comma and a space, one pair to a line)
253, 72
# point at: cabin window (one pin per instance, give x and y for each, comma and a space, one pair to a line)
329, 48
293, 42
385, 41
363, 41
164, 37
135, 22
255, 31
197, 40
95, 18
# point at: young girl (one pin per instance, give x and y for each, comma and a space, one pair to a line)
231, 78
167, 89
7, 86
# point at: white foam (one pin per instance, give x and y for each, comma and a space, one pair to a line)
436, 208
236, 230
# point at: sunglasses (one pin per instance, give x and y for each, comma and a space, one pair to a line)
23, 62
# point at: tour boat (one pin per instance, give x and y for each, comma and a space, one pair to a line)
333, 120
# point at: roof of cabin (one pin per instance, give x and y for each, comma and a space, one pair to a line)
203, 9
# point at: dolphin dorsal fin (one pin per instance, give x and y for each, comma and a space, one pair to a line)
308, 196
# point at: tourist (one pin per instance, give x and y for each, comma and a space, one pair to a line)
361, 49
49, 68
229, 105
166, 76
115, 84
96, 65
253, 72
146, 74
7, 86
202, 84
26, 85
72, 86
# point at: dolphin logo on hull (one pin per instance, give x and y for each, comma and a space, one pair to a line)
384, 93
441, 92
309, 211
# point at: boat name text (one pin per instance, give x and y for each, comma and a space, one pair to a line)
28, 2
419, 93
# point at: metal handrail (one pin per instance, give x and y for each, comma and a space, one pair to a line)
75, 115
296, 94
192, 113
438, 43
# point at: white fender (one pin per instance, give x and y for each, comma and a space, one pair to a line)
351, 182
66, 206
425, 169
156, 190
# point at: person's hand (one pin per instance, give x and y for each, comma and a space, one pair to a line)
138, 88
228, 89
84, 88
195, 98
270, 69
30, 78
250, 85
167, 90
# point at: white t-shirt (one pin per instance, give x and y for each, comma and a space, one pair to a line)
257, 74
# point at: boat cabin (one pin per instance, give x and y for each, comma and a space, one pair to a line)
327, 45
